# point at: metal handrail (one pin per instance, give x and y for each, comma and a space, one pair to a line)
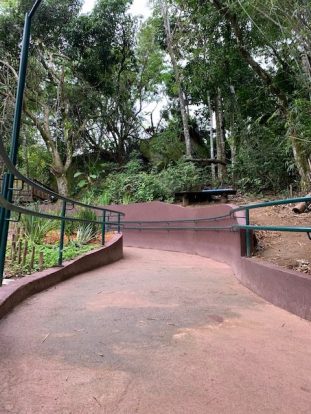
21, 210
143, 225
295, 200
10, 166
7, 205
169, 228
104, 223
12, 172
197, 220
248, 227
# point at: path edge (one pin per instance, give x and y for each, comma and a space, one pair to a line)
285, 288
16, 292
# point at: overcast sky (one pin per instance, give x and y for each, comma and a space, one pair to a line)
138, 7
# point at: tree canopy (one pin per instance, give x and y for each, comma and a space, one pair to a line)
223, 85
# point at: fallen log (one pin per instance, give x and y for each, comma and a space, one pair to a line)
302, 206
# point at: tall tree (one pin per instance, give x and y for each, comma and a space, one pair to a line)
172, 46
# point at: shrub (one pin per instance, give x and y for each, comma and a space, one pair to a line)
89, 215
135, 185
36, 228
85, 234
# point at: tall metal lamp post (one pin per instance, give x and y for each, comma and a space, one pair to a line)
8, 179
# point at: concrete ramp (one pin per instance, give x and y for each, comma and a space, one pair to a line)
156, 333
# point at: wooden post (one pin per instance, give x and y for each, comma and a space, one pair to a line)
13, 247
290, 191
32, 258
41, 261
185, 200
25, 251
19, 251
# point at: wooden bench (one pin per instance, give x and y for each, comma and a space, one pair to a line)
205, 195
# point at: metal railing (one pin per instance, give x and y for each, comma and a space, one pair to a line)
105, 214
12, 173
106, 218
248, 227
152, 225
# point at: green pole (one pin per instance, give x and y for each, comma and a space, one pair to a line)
9, 178
248, 235
119, 223
103, 228
62, 234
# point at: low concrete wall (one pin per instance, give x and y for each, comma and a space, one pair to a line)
14, 293
287, 289
221, 245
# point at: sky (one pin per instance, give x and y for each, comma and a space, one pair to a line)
139, 7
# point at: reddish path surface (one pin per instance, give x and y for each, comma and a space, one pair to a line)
157, 333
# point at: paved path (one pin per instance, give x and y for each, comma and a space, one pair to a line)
157, 333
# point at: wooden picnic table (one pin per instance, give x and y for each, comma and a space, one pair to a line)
205, 195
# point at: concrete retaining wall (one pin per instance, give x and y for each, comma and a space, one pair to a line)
287, 289
14, 293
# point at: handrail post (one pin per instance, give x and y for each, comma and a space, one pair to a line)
119, 223
9, 178
62, 234
104, 228
107, 222
247, 235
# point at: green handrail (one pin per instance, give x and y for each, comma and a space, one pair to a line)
10, 160
145, 224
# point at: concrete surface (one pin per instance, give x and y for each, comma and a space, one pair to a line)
288, 289
14, 293
156, 333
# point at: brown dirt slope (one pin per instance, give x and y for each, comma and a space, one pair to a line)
290, 250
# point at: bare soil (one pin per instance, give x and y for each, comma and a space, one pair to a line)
286, 249
290, 250
52, 237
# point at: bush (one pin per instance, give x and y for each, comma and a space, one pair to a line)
89, 215
264, 161
36, 228
135, 185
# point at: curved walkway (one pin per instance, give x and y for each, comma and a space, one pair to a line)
156, 333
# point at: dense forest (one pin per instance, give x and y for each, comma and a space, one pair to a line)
202, 93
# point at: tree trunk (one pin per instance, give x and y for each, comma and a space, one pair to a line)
220, 143
181, 95
233, 139
211, 137
59, 170
301, 162
62, 184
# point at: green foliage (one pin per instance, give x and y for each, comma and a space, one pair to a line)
35, 228
85, 234
93, 81
134, 184
50, 254
299, 123
88, 215
37, 163
264, 161
165, 147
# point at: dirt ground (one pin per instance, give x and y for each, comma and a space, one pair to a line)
290, 250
